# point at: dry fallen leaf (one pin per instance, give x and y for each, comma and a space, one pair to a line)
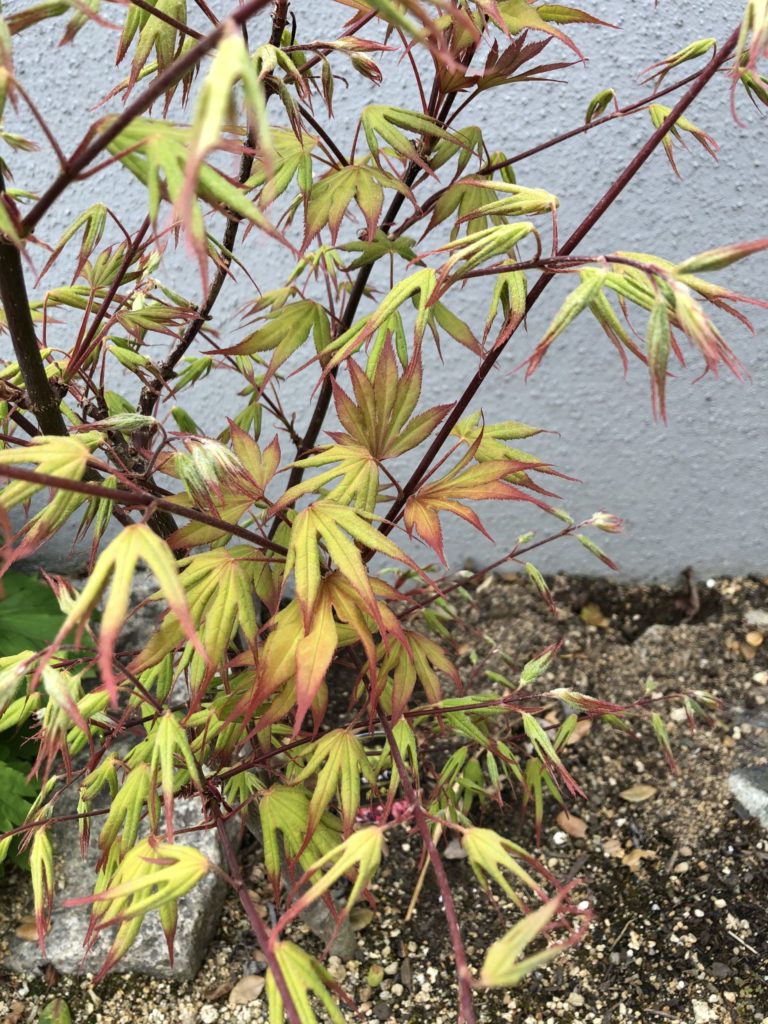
218, 991
612, 848
246, 990
580, 730
634, 858
638, 794
359, 918
27, 930
16, 1014
593, 615
572, 824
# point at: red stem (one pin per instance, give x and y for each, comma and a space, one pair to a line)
77, 360
258, 926
139, 499
466, 1003
540, 147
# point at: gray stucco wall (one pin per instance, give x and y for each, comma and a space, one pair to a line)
695, 492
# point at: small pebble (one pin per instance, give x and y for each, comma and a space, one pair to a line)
381, 1010
718, 970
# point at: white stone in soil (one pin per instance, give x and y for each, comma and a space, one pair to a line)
750, 787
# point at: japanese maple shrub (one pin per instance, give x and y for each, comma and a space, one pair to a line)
262, 537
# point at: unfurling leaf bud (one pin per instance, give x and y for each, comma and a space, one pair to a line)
540, 583
208, 469
606, 522
596, 551
599, 104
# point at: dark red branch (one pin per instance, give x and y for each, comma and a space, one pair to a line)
258, 926
513, 322
139, 499
466, 1002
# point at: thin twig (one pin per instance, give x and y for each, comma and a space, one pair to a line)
90, 339
19, 88
540, 147
258, 926
588, 126
312, 120
513, 321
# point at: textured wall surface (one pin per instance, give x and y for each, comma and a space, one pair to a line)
695, 492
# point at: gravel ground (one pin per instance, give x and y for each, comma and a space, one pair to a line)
679, 881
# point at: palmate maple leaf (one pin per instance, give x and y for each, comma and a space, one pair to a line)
481, 482
381, 416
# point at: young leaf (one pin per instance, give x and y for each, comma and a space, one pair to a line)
717, 259
151, 876
476, 248
156, 152
477, 483
118, 561
65, 457
503, 966
519, 15
290, 157
691, 52
168, 738
285, 810
127, 807
420, 284
338, 759
598, 105
490, 855
41, 870
154, 34
411, 658
331, 195
220, 586
381, 418
314, 653
658, 339
545, 751
360, 853
213, 110
285, 330
592, 283
389, 124
92, 221
334, 525
304, 976
658, 115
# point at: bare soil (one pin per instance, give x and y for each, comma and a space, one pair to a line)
679, 882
